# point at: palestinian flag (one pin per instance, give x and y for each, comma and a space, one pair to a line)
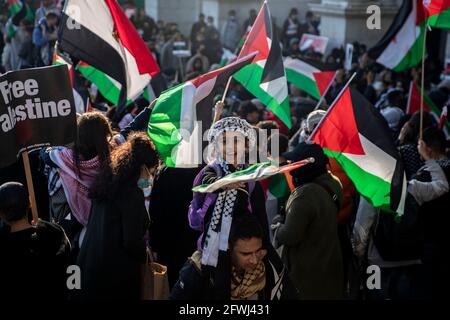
401, 47
100, 34
110, 88
256, 172
428, 105
183, 113
355, 134
438, 13
308, 77
265, 78
80, 93
324, 80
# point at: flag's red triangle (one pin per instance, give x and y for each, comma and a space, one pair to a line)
323, 80
414, 100
434, 7
257, 39
338, 131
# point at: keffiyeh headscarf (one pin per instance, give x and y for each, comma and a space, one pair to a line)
220, 224
229, 124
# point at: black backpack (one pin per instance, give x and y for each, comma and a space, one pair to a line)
400, 239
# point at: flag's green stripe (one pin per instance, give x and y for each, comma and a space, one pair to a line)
414, 55
246, 172
279, 187
441, 20
146, 95
107, 88
14, 8
250, 77
164, 123
375, 190
303, 82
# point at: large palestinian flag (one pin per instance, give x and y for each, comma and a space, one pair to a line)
99, 33
401, 47
307, 77
355, 134
438, 13
265, 78
183, 113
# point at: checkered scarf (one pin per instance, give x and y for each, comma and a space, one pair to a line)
220, 224
244, 286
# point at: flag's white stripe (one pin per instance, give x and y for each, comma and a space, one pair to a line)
96, 17
375, 161
380, 164
277, 88
189, 150
300, 67
136, 82
402, 43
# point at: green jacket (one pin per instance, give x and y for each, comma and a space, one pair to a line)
312, 250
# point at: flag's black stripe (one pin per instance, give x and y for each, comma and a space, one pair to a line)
371, 125
274, 68
320, 65
398, 22
159, 84
80, 43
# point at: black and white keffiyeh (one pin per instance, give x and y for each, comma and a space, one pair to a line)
232, 124
220, 224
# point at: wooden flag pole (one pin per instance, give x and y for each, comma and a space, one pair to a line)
26, 164
423, 81
226, 89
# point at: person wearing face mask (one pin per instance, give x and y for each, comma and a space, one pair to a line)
113, 252
145, 183
231, 32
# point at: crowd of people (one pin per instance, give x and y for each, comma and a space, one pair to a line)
107, 198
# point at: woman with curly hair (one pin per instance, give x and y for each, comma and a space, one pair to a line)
114, 250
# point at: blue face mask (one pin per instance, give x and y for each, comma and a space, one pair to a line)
144, 183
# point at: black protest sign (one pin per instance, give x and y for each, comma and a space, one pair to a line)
36, 109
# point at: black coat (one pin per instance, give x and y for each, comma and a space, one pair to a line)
113, 249
33, 263
170, 234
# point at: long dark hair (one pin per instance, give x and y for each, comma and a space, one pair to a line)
93, 134
413, 126
123, 167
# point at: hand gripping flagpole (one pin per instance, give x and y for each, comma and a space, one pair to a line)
332, 106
